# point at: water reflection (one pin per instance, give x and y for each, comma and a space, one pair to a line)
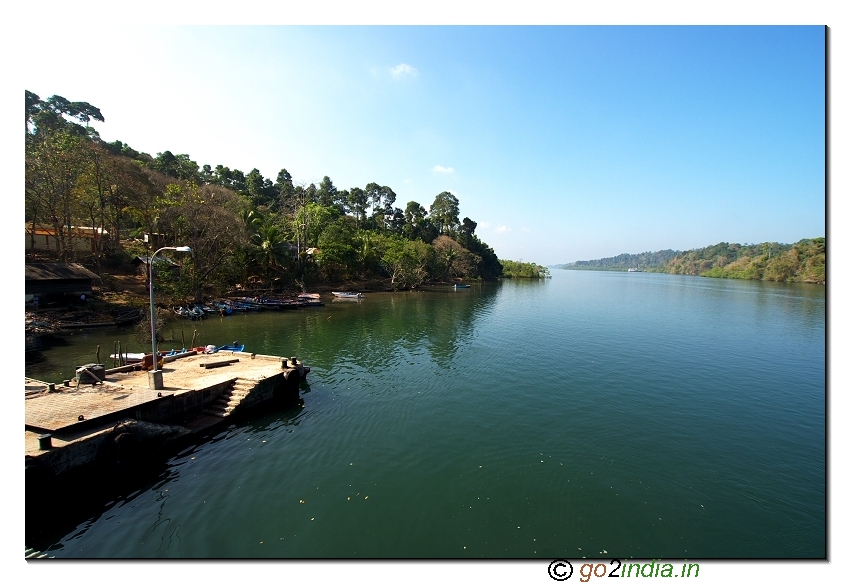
611, 399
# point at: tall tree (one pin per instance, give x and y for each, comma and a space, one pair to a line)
358, 202
206, 219
467, 230
260, 190
444, 213
55, 162
50, 115
414, 219
327, 193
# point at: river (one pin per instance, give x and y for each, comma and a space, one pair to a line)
593, 414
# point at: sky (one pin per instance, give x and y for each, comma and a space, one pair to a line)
568, 131
563, 143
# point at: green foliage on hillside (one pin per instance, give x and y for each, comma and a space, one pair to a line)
243, 228
804, 261
648, 261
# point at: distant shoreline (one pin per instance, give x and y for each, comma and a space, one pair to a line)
800, 262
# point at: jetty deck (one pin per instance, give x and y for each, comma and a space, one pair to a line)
199, 391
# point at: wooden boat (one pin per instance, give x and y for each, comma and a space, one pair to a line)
306, 296
349, 295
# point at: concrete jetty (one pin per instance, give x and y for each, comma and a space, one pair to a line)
87, 420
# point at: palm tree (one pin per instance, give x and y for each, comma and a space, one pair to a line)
271, 249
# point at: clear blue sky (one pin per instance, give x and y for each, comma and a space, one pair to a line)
562, 142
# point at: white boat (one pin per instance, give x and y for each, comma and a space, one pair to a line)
129, 357
357, 295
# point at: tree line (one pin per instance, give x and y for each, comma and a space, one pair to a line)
241, 227
803, 261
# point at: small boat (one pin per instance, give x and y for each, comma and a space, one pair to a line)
137, 357
349, 295
192, 313
222, 308
306, 296
307, 302
461, 285
233, 347
241, 306
129, 357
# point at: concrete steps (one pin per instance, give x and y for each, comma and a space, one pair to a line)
34, 554
230, 398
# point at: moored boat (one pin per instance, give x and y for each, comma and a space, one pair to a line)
344, 294
232, 347
193, 313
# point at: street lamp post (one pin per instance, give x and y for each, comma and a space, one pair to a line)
154, 375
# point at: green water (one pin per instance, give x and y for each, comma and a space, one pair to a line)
593, 414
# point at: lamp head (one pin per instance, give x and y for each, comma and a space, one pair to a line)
183, 249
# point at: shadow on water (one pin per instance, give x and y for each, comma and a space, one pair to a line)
36, 346
68, 504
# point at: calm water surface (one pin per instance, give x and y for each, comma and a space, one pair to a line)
598, 414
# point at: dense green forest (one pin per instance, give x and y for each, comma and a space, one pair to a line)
803, 261
241, 227
648, 261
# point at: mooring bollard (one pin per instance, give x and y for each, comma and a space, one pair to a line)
44, 441
283, 363
51, 388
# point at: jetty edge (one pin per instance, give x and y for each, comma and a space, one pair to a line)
112, 418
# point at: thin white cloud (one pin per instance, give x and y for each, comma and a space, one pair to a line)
442, 169
484, 225
502, 229
402, 71
407, 180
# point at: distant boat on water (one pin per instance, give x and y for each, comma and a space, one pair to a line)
461, 285
343, 294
